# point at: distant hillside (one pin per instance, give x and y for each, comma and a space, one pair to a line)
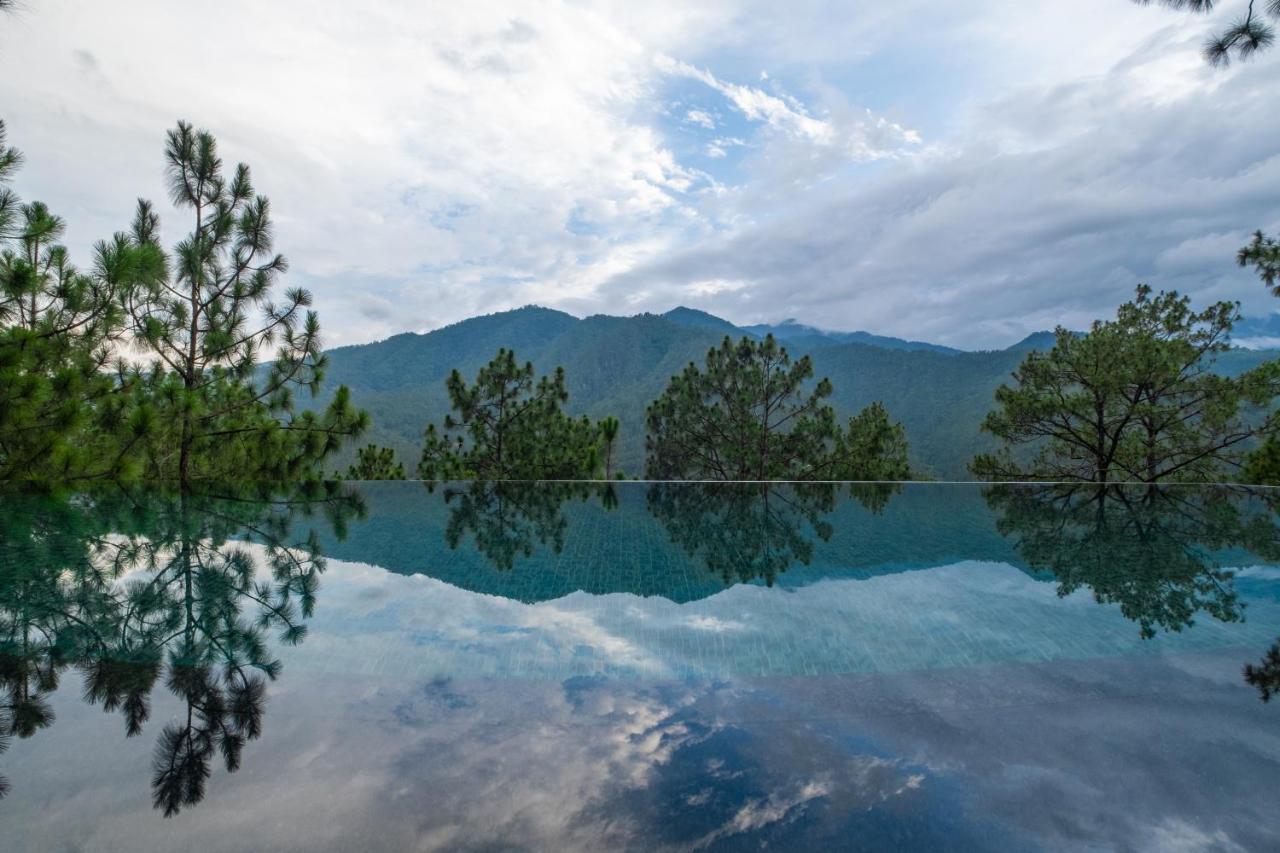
617, 365
791, 332
1258, 332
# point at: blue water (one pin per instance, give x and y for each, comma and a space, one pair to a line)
385, 666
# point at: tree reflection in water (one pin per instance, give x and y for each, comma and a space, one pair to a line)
1154, 551
131, 588
743, 532
508, 520
1265, 675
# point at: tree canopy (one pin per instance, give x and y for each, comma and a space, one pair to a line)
376, 463
191, 398
1263, 254
62, 414
609, 427
1134, 399
510, 426
748, 414
1153, 550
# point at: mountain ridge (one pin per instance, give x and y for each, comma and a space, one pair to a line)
618, 365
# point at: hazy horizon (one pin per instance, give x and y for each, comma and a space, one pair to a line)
1259, 333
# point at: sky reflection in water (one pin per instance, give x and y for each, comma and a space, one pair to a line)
680, 667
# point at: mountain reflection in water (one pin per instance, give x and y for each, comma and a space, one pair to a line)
193, 598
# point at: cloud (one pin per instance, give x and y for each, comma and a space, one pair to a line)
940, 172
700, 118
755, 104
363, 126
1061, 201
871, 139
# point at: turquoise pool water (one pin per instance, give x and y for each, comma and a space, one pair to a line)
385, 666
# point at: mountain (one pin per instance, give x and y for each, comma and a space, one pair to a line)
618, 365
683, 316
791, 331
1041, 341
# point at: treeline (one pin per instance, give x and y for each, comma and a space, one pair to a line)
750, 413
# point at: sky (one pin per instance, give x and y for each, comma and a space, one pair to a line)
960, 173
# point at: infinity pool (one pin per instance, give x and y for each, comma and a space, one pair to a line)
387, 666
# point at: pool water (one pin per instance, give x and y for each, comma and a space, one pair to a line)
392, 666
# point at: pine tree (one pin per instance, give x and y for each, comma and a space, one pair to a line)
509, 520
229, 416
609, 436
1151, 550
196, 615
1265, 675
1248, 35
509, 427
376, 463
1263, 254
748, 416
742, 532
870, 447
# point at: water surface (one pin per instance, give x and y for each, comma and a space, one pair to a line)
386, 666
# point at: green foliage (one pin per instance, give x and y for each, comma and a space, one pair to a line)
199, 406
62, 413
509, 427
509, 520
743, 532
194, 320
748, 416
871, 447
376, 463
1133, 399
1263, 254
1262, 466
1243, 38
609, 427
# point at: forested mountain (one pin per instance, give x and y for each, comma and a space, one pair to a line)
617, 365
789, 331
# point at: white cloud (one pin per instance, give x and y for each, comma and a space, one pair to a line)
435, 154
430, 162
867, 139
700, 118
1059, 202
755, 104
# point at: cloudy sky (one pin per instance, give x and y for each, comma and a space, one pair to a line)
964, 173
